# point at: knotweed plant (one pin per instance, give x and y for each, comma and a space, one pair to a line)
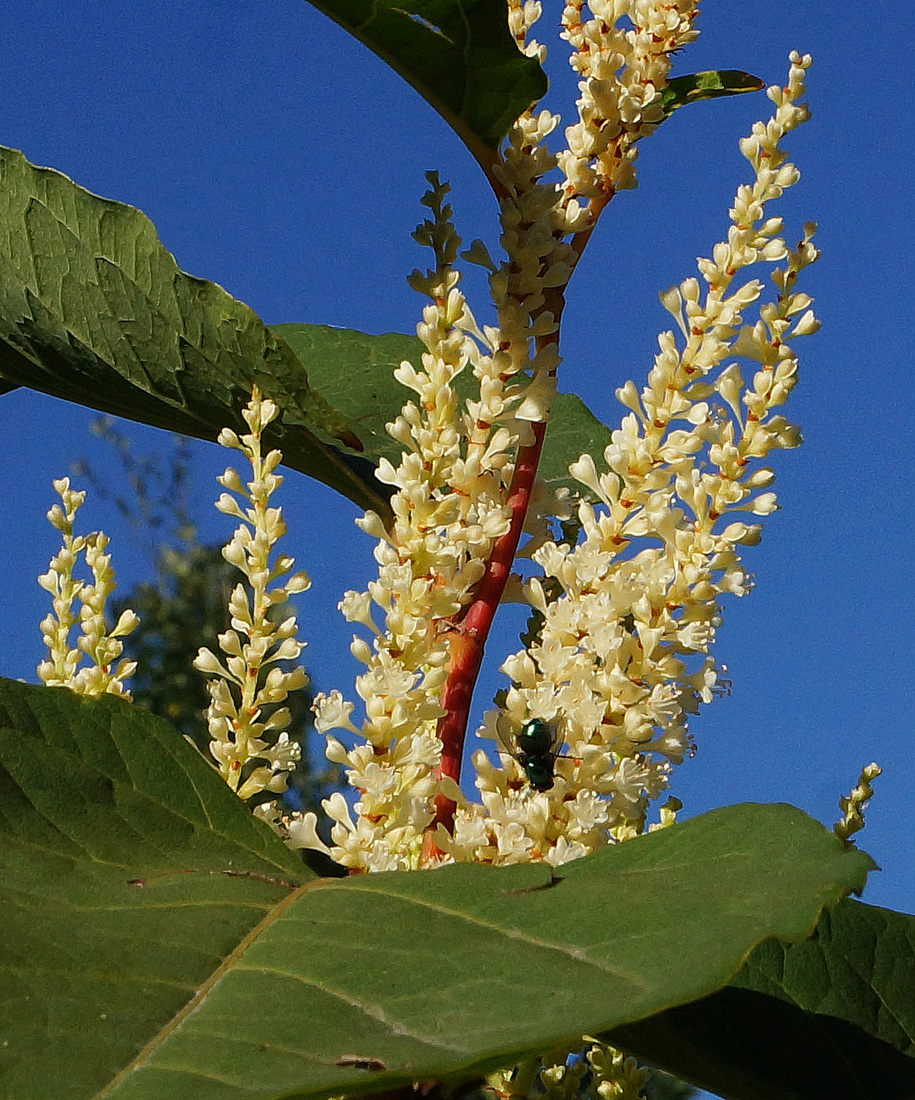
624, 579
625, 602
625, 608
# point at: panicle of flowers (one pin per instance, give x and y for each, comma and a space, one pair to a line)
522, 15
613, 1074
451, 486
622, 70
622, 656
541, 217
852, 805
595, 1071
246, 719
622, 73
104, 673
448, 509
598, 1072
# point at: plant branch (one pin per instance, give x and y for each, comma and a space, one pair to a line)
470, 629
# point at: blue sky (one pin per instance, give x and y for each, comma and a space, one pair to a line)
279, 158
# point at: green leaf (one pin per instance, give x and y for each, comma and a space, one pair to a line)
706, 85
355, 373
452, 973
838, 1009
94, 310
458, 54
155, 937
128, 874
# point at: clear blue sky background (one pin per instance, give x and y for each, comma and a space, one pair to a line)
279, 158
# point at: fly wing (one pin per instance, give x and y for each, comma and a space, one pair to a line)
515, 744
507, 740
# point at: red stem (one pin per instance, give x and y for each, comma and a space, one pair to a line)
470, 630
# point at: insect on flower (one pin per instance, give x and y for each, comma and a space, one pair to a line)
536, 747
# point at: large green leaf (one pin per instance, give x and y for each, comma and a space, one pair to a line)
859, 966
837, 1009
93, 309
133, 884
354, 371
458, 54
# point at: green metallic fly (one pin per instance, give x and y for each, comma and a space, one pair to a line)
535, 748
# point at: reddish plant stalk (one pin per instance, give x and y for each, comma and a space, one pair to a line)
470, 630
468, 638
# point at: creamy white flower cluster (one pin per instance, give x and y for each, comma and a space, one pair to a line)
590, 1069
598, 1072
450, 494
105, 673
247, 724
522, 15
448, 508
622, 71
622, 654
451, 485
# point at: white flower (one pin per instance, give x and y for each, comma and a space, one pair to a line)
629, 613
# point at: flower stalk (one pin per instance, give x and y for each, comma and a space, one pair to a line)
246, 718
105, 673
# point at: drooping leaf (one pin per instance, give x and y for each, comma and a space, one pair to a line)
837, 1011
458, 54
93, 309
158, 943
712, 84
354, 371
